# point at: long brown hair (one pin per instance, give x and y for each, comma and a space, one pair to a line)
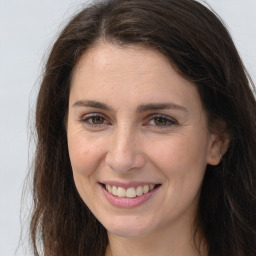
196, 42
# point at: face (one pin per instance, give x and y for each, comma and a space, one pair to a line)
138, 140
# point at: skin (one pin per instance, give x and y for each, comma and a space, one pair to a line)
125, 145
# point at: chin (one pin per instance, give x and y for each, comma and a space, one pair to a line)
129, 226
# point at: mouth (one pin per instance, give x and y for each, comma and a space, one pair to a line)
129, 192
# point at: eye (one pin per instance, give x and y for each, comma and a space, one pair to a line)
97, 119
161, 121
94, 120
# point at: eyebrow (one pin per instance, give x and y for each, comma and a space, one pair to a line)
91, 104
160, 106
140, 109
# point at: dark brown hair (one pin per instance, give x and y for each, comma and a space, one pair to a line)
195, 41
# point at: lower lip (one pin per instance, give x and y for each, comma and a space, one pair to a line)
124, 202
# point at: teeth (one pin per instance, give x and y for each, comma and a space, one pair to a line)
145, 189
139, 191
129, 192
121, 192
109, 189
114, 190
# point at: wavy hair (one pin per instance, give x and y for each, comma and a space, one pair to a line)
199, 46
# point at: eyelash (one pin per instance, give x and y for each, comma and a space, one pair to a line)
168, 121
87, 120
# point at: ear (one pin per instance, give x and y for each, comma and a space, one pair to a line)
218, 146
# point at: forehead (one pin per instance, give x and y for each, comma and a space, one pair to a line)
105, 59
106, 71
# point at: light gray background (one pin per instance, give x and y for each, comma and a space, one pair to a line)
27, 29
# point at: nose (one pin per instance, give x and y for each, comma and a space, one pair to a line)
124, 153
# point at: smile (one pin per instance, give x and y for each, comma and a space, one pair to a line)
130, 192
128, 195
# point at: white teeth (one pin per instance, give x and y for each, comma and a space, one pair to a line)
121, 192
139, 191
109, 188
114, 190
129, 192
145, 189
151, 187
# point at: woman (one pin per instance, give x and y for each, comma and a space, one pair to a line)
146, 136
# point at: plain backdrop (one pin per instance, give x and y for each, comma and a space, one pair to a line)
27, 30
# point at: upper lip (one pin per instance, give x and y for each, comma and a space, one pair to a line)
128, 184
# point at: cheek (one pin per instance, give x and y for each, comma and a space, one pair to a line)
85, 159
179, 150
85, 155
182, 160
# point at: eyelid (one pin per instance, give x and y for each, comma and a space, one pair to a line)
92, 115
172, 121
84, 119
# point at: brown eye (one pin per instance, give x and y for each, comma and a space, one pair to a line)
97, 120
94, 120
160, 121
